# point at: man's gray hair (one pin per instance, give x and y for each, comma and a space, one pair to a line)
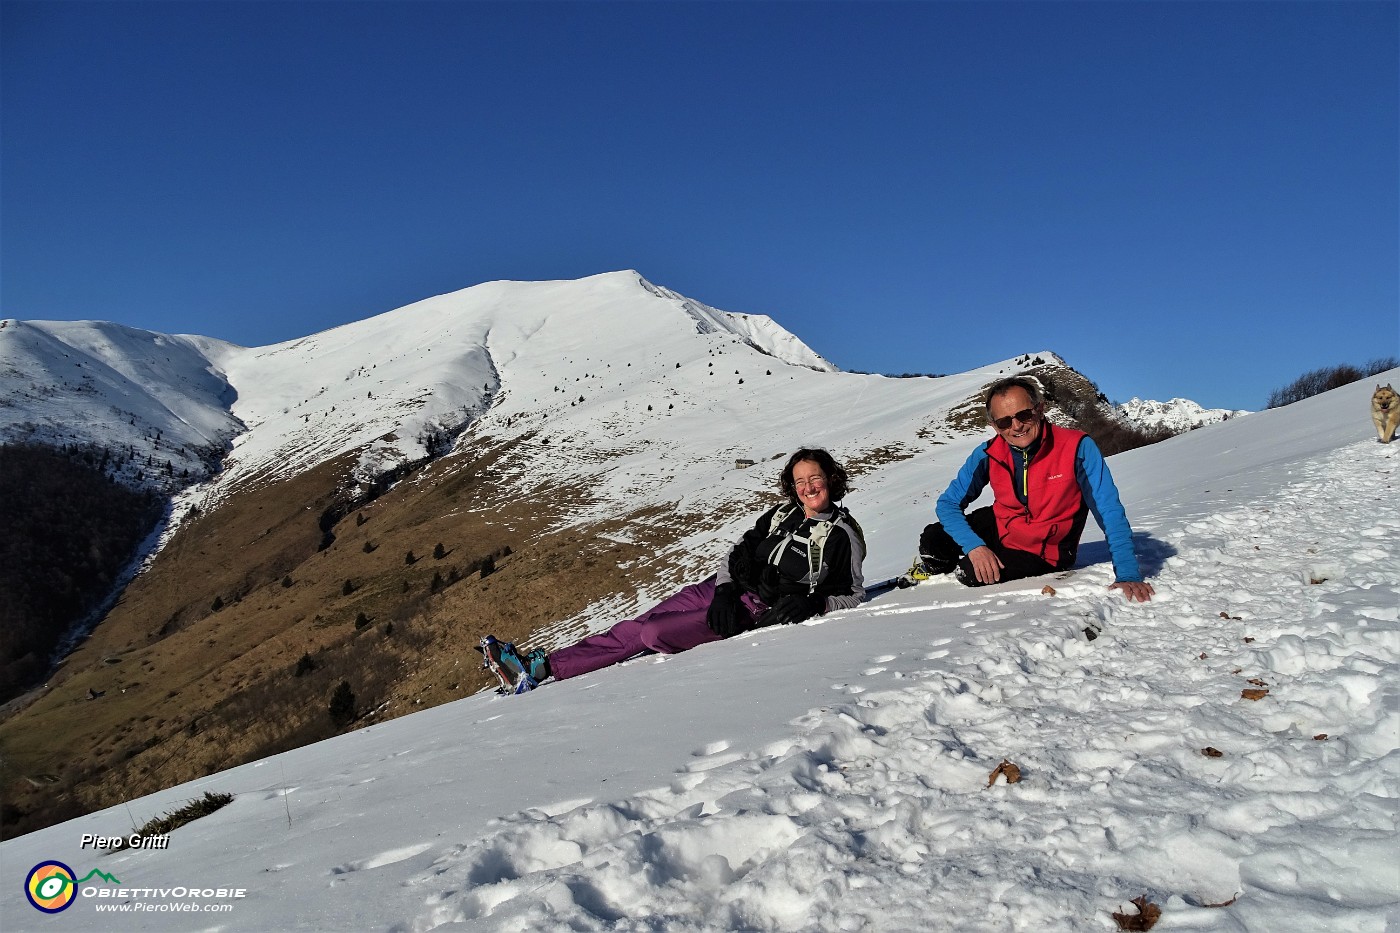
1029, 383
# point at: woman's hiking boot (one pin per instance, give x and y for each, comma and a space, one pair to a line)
501, 659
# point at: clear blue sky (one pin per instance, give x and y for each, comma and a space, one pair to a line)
1193, 199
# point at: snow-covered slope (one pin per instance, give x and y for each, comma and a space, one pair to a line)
834, 776
1179, 414
758, 330
93, 383
401, 385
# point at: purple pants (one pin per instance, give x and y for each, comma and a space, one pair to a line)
675, 624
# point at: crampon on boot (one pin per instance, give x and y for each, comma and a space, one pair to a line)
916, 574
501, 659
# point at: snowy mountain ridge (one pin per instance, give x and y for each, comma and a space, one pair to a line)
93, 383
1177, 415
397, 387
402, 383
758, 330
626, 375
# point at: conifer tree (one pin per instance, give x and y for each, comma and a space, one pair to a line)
342, 705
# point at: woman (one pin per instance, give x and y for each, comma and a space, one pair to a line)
801, 558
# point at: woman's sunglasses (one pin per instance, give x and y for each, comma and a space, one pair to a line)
1025, 416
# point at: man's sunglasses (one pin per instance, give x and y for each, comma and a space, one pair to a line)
1025, 416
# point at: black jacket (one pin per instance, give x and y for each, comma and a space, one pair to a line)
778, 561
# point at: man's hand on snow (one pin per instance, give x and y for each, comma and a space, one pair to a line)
1135, 591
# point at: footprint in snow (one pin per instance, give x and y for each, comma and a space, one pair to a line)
686, 781
713, 755
713, 748
390, 857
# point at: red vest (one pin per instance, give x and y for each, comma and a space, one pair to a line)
1050, 524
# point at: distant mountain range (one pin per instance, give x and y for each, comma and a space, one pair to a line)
528, 458
1178, 415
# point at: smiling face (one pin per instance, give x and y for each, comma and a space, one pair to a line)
1007, 405
810, 483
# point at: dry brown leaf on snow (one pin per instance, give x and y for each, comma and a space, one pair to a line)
1223, 903
1320, 737
1256, 681
1248, 640
1226, 615
1250, 693
1006, 769
1145, 919
1203, 656
1048, 590
1212, 752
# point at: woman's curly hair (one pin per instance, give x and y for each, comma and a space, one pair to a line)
837, 483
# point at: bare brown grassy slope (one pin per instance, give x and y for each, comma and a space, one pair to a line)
169, 687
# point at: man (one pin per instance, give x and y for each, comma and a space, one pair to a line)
1045, 480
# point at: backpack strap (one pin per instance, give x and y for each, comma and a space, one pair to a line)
849, 520
816, 543
820, 532
780, 515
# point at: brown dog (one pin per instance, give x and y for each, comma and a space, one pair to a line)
1385, 412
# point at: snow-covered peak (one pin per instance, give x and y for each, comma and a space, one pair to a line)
1179, 414
397, 387
758, 330
1042, 358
